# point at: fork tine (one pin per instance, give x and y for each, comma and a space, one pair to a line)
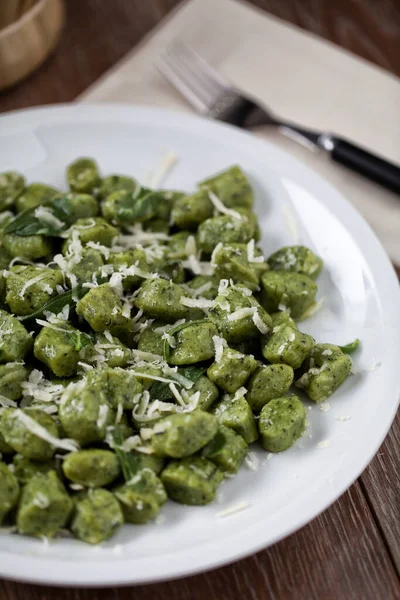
184, 84
192, 76
209, 75
208, 91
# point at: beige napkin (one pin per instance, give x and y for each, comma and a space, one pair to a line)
296, 74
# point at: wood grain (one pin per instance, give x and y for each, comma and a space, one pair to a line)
98, 33
349, 552
339, 556
381, 485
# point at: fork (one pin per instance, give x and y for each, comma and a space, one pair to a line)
214, 97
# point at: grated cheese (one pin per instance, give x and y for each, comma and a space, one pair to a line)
29, 284
198, 267
242, 391
220, 207
164, 328
219, 345
232, 510
41, 389
343, 418
241, 313
7, 403
214, 254
250, 253
252, 461
155, 377
325, 406
223, 287
166, 165
41, 432
196, 302
46, 216
259, 323
203, 288
120, 412
102, 416
326, 352
170, 339
324, 444
177, 395
147, 356
190, 246
102, 249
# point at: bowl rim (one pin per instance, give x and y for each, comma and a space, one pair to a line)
27, 16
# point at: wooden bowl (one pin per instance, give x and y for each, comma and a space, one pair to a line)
26, 42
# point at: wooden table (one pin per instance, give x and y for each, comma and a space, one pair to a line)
352, 550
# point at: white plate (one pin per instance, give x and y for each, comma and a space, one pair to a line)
361, 300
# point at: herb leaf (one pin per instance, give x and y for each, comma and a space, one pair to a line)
351, 347
192, 372
125, 458
54, 305
161, 391
27, 223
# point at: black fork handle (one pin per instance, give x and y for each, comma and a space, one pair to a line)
354, 157
364, 162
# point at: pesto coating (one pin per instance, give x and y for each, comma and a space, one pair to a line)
142, 497
119, 386
31, 247
235, 413
297, 259
189, 211
44, 507
267, 383
102, 308
11, 186
330, 367
232, 371
282, 421
287, 345
61, 347
160, 299
28, 287
83, 175
20, 437
12, 376
35, 195
293, 292
97, 516
15, 341
227, 450
9, 491
91, 468
145, 342
192, 480
232, 261
243, 326
25, 468
193, 344
225, 229
232, 187
85, 415
93, 229
182, 435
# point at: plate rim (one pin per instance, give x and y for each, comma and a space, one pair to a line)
122, 575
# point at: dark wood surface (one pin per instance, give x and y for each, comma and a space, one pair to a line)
352, 550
